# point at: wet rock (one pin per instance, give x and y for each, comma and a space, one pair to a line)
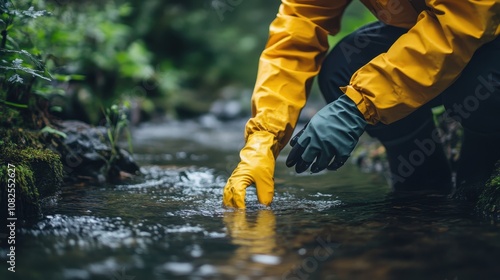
87, 154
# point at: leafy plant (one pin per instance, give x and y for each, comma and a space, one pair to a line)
21, 68
116, 125
91, 39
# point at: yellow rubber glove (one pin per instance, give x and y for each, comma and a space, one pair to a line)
256, 167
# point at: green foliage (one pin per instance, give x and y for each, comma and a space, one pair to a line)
213, 44
21, 64
14, 66
116, 125
170, 52
89, 40
48, 129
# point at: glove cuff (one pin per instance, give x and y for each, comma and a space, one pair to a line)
346, 104
365, 108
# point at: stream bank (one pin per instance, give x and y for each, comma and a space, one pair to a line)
38, 162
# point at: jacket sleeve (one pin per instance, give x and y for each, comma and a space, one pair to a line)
295, 49
426, 60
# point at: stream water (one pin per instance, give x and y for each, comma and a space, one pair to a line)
170, 224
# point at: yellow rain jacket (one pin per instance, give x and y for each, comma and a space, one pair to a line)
443, 35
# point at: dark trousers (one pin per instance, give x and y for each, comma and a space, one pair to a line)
473, 99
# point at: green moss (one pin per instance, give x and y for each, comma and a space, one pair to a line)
9, 117
38, 171
47, 168
27, 196
489, 200
18, 138
26, 182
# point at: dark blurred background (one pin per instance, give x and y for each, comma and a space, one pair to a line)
179, 59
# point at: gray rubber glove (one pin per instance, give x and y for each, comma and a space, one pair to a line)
331, 134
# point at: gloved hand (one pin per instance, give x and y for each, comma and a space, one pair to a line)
256, 167
331, 134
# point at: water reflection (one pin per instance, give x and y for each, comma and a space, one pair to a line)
256, 239
260, 251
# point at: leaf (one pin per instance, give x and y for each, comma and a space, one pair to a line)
125, 10
26, 70
29, 13
110, 138
33, 59
67, 78
51, 130
17, 62
16, 79
17, 105
56, 109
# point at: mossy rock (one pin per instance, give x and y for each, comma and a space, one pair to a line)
27, 197
489, 200
38, 174
47, 169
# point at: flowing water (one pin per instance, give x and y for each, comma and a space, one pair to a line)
170, 224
